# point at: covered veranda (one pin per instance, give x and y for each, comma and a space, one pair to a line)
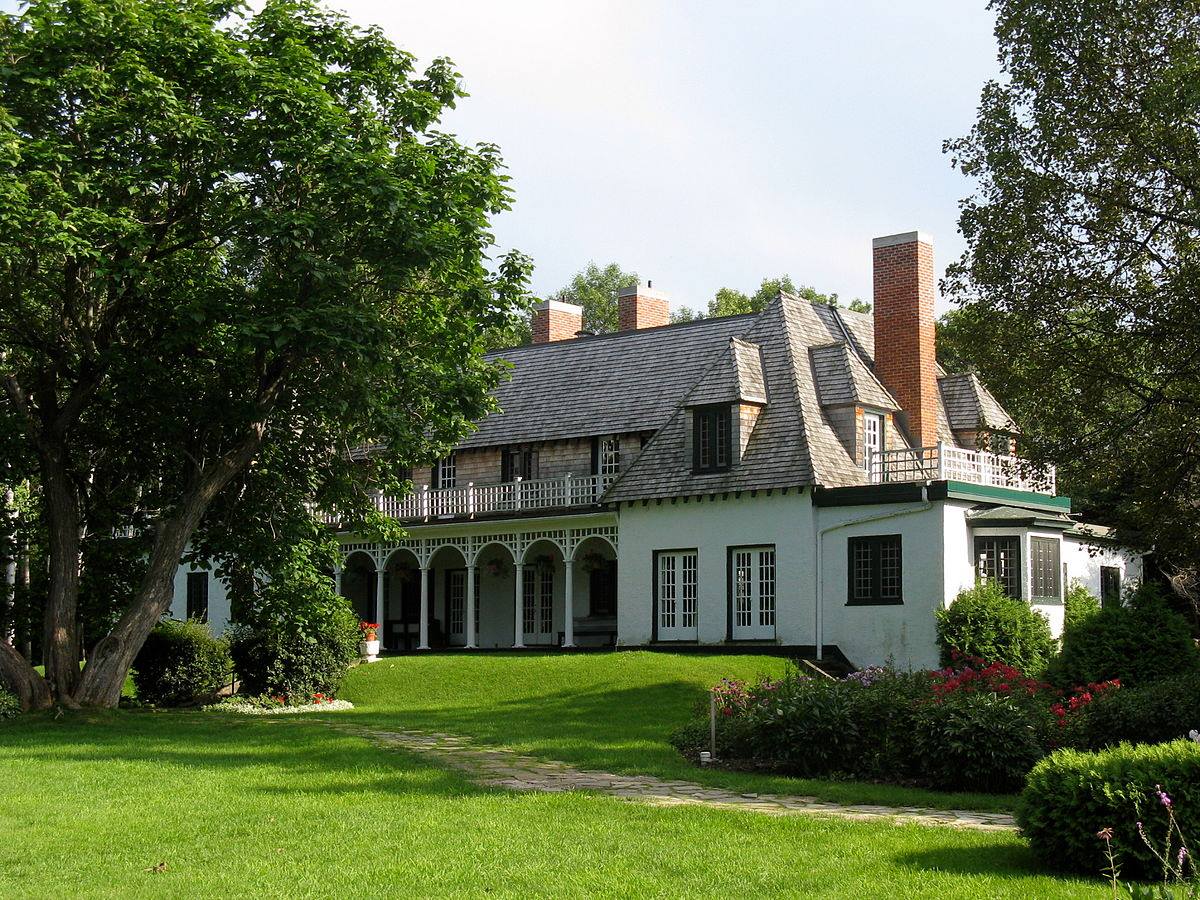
489, 589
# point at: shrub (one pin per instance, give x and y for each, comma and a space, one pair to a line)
1071, 796
979, 741
1151, 713
10, 706
1079, 605
984, 622
180, 663
1140, 642
297, 638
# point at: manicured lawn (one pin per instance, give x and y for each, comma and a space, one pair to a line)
89, 802
611, 711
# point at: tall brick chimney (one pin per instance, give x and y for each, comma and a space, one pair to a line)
640, 306
905, 359
554, 320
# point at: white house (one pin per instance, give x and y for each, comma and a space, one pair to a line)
805, 477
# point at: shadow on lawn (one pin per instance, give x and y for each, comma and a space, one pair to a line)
1011, 861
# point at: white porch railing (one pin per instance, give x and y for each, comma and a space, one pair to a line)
509, 497
948, 463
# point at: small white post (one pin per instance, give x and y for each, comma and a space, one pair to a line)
941, 455
518, 492
424, 637
469, 625
424, 501
712, 726
569, 601
471, 499
568, 500
519, 608
379, 610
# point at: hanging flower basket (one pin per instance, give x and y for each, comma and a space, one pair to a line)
592, 561
495, 567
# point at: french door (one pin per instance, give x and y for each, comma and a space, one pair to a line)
752, 582
538, 605
676, 584
456, 605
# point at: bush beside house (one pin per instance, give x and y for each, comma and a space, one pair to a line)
985, 622
181, 663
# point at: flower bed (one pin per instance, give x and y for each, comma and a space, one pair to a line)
276, 706
973, 725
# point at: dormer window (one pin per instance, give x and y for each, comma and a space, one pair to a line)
711, 438
608, 456
872, 437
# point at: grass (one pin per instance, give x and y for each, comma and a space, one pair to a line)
611, 711
92, 803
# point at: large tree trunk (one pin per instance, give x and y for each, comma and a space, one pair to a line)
16, 672
104, 674
60, 643
10, 570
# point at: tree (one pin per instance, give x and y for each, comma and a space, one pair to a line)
730, 302
595, 289
231, 250
1079, 286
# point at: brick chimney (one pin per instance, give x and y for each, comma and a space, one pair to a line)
905, 359
640, 306
554, 320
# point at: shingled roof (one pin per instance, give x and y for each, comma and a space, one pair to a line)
843, 379
971, 407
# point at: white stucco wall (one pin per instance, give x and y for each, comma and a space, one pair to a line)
218, 602
711, 527
1084, 560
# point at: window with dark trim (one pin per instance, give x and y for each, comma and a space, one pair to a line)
518, 462
1110, 586
711, 433
197, 596
876, 571
999, 558
1044, 553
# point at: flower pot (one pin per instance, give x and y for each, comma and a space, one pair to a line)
368, 650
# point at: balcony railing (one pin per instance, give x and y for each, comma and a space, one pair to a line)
482, 499
948, 463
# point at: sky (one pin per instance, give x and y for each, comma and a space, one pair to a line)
710, 144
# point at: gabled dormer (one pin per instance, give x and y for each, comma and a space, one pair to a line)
722, 410
976, 418
860, 409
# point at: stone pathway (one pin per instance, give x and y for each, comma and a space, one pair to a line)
506, 769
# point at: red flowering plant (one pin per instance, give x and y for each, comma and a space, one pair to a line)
1081, 697
369, 630
734, 697
974, 675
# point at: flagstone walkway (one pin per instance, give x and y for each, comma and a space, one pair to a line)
496, 767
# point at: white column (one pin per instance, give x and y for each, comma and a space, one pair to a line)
379, 599
469, 624
337, 580
519, 608
569, 602
424, 643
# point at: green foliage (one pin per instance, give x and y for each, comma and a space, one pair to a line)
595, 289
296, 638
10, 706
984, 622
1145, 714
730, 302
1070, 796
1079, 282
1079, 605
1141, 641
180, 663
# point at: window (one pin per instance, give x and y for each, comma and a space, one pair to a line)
1044, 556
711, 438
197, 596
518, 462
1110, 586
537, 613
872, 438
752, 587
445, 472
675, 594
608, 456
999, 558
875, 570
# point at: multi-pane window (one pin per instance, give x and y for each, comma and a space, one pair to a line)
608, 456
1110, 586
518, 462
711, 438
1044, 568
537, 612
456, 599
872, 440
753, 584
445, 472
197, 596
999, 559
876, 572
676, 584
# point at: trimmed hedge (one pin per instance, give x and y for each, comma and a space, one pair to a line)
985, 622
1141, 642
1148, 714
1070, 796
1079, 605
181, 663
